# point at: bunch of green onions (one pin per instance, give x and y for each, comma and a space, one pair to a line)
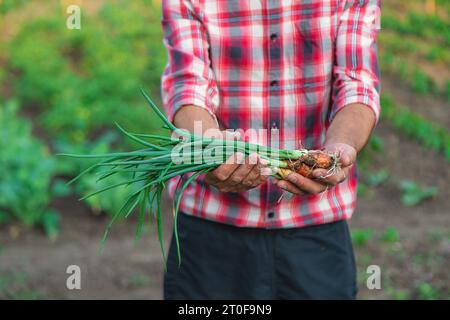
152, 165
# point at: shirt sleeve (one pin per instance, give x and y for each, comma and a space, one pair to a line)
188, 78
356, 71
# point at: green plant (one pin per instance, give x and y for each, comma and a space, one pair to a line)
428, 133
120, 49
432, 28
447, 89
421, 83
110, 201
14, 286
9, 5
377, 178
139, 280
398, 294
426, 291
362, 189
390, 235
413, 194
360, 237
27, 170
373, 147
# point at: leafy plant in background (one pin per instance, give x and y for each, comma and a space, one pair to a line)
421, 82
27, 169
447, 89
80, 82
432, 28
361, 236
373, 147
120, 49
390, 235
427, 292
377, 178
414, 76
398, 294
8, 5
428, 133
413, 194
112, 200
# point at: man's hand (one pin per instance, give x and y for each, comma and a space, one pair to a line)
300, 185
347, 135
239, 174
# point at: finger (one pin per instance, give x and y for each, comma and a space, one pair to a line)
347, 154
225, 170
345, 159
287, 186
243, 170
258, 174
324, 177
305, 184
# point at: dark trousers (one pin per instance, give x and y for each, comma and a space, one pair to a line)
220, 261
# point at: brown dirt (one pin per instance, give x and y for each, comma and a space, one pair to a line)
123, 271
418, 256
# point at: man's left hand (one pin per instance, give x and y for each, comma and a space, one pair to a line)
300, 185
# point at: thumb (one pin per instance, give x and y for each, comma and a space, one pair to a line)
347, 157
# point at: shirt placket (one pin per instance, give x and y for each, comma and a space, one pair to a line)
274, 102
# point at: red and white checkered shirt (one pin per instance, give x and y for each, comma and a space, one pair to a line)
285, 66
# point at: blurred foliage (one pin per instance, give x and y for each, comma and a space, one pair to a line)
417, 127
377, 178
76, 84
432, 28
413, 194
84, 80
360, 237
390, 235
27, 169
374, 146
8, 5
109, 201
426, 291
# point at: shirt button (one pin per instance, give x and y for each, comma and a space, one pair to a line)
273, 83
271, 214
273, 36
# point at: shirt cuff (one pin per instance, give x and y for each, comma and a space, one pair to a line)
357, 94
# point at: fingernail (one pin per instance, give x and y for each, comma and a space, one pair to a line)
264, 162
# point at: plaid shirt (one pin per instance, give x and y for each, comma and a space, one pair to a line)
287, 66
